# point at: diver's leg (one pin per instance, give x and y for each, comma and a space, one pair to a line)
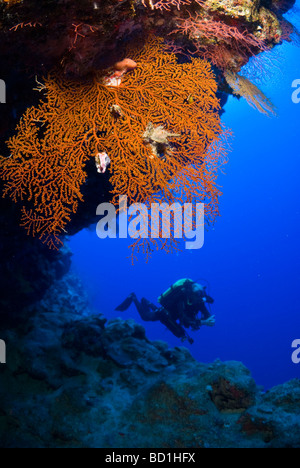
146, 309
127, 303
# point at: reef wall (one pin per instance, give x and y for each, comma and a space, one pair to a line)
73, 380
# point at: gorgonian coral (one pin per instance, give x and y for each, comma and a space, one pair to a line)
241, 86
159, 126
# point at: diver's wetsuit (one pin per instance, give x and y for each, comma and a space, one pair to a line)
181, 313
148, 311
151, 313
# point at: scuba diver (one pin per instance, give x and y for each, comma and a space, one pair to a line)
179, 308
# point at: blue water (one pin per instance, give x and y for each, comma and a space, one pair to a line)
251, 257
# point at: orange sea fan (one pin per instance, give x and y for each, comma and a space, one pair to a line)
157, 127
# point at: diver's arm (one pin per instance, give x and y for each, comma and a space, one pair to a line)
210, 322
205, 314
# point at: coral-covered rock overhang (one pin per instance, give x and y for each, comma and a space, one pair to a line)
84, 35
78, 37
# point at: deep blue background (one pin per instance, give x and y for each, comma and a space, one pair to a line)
251, 258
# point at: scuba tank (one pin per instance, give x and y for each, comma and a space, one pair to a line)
176, 292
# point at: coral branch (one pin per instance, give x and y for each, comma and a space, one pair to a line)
25, 25
217, 41
166, 4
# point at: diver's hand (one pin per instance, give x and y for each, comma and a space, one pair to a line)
210, 322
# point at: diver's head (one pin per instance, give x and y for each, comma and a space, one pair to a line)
201, 291
208, 299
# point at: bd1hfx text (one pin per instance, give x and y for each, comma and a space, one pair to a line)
152, 458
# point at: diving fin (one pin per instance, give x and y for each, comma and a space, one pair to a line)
126, 304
